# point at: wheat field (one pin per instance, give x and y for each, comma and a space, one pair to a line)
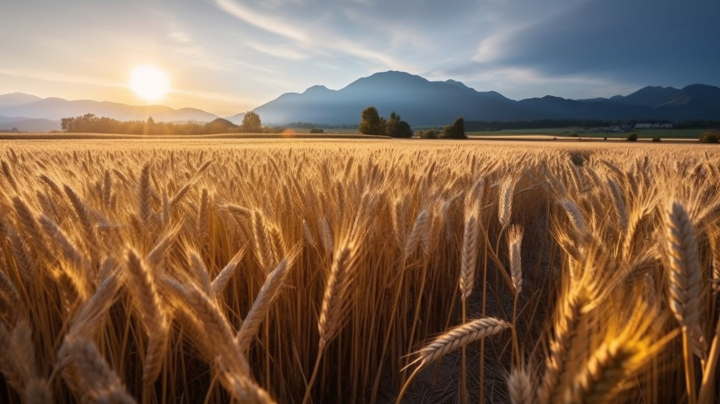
291, 271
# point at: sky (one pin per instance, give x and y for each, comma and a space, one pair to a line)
230, 56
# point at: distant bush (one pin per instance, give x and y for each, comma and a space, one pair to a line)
656, 139
428, 134
456, 130
710, 137
632, 137
316, 130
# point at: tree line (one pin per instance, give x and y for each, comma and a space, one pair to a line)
371, 123
479, 126
89, 123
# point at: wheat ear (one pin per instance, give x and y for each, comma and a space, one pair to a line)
15, 345
263, 248
471, 238
219, 335
506, 196
615, 362
566, 332
152, 313
456, 338
37, 391
520, 387
418, 233
684, 287
337, 291
223, 278
198, 269
515, 237
83, 214
576, 219
88, 374
261, 306
684, 274
335, 304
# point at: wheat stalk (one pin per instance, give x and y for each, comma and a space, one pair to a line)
145, 195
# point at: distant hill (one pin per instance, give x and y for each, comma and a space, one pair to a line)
31, 107
17, 99
28, 124
417, 100
423, 102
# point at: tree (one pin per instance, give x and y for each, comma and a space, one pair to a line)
456, 130
371, 123
251, 122
710, 137
395, 127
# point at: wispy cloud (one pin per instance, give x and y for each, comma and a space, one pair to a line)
318, 39
262, 21
283, 52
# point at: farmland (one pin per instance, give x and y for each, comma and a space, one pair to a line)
669, 134
358, 271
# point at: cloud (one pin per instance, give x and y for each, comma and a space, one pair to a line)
320, 39
642, 40
283, 52
261, 20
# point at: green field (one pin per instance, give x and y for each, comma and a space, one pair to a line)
570, 132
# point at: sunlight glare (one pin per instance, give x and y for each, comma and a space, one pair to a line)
149, 82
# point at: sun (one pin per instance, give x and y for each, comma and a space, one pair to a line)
149, 82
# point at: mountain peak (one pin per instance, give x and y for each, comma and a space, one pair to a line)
396, 76
17, 99
316, 89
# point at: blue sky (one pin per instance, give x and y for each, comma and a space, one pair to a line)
229, 56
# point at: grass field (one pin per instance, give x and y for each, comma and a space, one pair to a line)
358, 271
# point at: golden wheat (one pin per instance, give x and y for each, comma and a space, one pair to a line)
210, 270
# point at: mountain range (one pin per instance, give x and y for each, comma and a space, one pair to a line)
416, 99
423, 102
30, 113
